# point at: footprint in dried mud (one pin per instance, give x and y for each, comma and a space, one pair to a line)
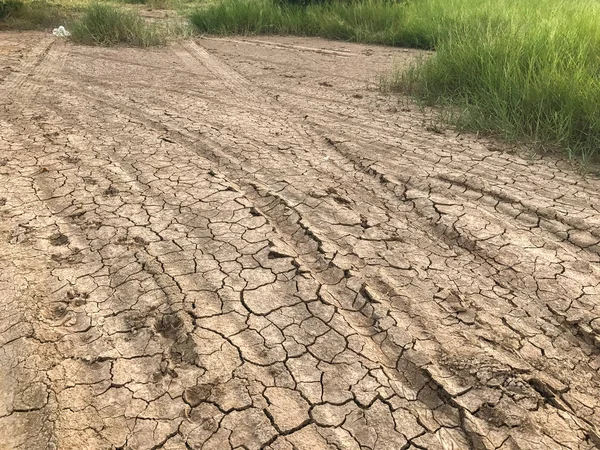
169, 325
125, 240
197, 394
59, 314
60, 311
73, 257
77, 298
184, 352
58, 239
140, 241
111, 191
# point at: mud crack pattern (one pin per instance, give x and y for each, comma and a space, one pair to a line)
235, 244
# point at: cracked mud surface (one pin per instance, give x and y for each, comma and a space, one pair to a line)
234, 244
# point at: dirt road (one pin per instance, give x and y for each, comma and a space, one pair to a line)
239, 244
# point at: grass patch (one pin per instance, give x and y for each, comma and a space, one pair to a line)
31, 15
520, 70
107, 25
9, 7
368, 21
515, 68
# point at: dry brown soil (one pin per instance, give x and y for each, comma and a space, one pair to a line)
240, 244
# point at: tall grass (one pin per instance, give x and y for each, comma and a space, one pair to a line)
369, 21
38, 14
521, 69
411, 23
107, 25
9, 8
525, 69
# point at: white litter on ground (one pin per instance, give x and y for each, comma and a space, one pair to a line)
61, 31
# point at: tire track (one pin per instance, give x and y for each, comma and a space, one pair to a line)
29, 65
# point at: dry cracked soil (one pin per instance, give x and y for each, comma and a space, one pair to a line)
240, 244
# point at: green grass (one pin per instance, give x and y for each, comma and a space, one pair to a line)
521, 69
9, 8
102, 24
369, 21
28, 15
